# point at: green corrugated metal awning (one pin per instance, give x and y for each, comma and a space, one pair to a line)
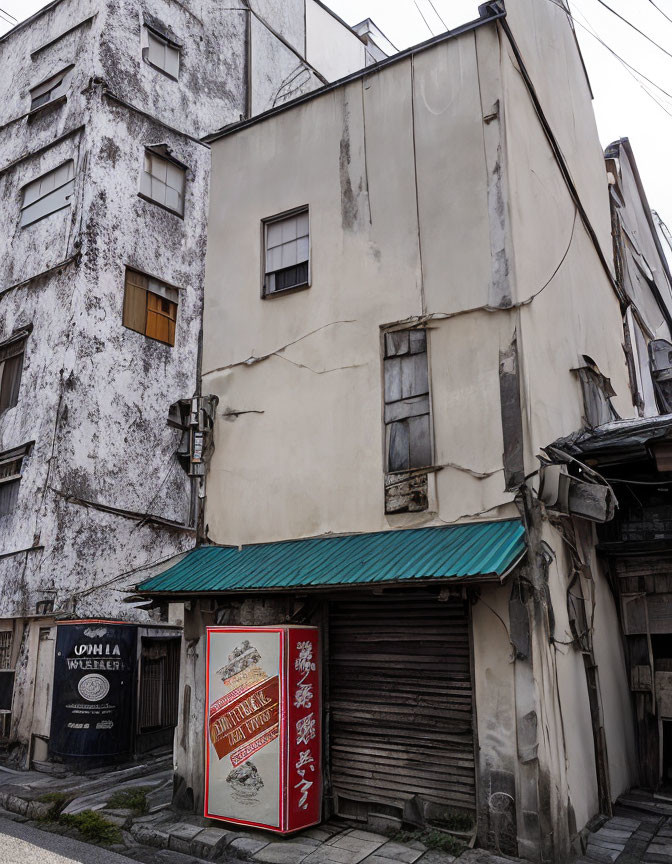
485, 550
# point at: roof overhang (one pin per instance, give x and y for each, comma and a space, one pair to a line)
618, 442
455, 554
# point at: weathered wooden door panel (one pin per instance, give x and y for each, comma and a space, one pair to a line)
401, 702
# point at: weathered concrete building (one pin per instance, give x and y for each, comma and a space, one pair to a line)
104, 183
410, 295
634, 456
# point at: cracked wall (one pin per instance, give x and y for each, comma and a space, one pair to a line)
434, 200
95, 395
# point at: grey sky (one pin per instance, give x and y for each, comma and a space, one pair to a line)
622, 106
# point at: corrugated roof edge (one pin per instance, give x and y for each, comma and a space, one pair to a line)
490, 17
146, 588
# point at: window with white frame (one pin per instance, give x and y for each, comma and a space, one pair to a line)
50, 90
162, 53
286, 252
48, 194
11, 463
162, 181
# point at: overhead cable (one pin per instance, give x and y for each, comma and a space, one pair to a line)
423, 17
664, 14
559, 158
635, 28
632, 70
436, 12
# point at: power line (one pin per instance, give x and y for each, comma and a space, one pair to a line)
629, 68
423, 17
591, 32
664, 14
8, 14
7, 21
636, 29
436, 12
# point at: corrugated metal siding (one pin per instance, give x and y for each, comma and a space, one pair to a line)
400, 702
476, 549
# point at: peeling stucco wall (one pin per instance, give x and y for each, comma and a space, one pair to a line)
434, 198
94, 395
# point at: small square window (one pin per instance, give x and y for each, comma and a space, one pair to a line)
49, 90
162, 53
11, 368
286, 252
162, 181
48, 194
150, 307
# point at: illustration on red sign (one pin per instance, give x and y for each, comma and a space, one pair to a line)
263, 727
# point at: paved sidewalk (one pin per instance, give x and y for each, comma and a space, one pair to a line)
23, 844
162, 836
639, 833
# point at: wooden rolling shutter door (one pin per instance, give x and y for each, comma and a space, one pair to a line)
401, 702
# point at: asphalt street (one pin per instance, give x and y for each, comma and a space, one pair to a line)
21, 844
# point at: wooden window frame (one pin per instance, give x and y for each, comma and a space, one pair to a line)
12, 349
139, 289
265, 224
12, 461
6, 650
406, 407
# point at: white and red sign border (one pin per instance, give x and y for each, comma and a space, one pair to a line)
291, 815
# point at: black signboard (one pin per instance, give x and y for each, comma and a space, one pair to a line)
6, 689
93, 696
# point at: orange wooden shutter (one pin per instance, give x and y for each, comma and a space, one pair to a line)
135, 301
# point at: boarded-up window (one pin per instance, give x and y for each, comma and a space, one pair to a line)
11, 367
150, 307
597, 392
49, 90
11, 462
48, 194
162, 181
287, 252
162, 53
407, 411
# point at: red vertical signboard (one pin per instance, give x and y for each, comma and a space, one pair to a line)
263, 727
304, 745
